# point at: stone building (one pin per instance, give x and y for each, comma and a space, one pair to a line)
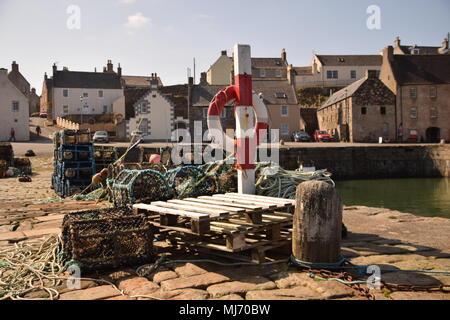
361, 112
16, 77
402, 49
34, 102
14, 109
151, 110
422, 87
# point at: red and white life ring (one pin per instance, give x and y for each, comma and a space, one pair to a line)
218, 103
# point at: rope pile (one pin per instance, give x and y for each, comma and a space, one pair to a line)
34, 265
274, 181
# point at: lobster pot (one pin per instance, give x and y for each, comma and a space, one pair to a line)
191, 181
23, 165
71, 137
104, 156
109, 238
6, 153
143, 186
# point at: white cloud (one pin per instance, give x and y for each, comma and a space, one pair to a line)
137, 21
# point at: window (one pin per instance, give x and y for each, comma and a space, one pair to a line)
284, 111
364, 110
85, 94
413, 113
262, 73
281, 95
100, 93
65, 93
433, 92
15, 106
223, 113
278, 73
105, 109
332, 74
413, 93
353, 74
284, 129
433, 113
144, 127
383, 110
415, 51
144, 108
205, 112
66, 109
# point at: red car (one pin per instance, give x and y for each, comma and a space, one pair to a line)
321, 136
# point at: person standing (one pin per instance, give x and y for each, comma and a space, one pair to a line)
12, 135
38, 131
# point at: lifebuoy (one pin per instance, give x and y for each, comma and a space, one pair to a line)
218, 103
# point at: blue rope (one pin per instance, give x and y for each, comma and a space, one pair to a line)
360, 270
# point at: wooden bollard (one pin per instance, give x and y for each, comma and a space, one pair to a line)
316, 234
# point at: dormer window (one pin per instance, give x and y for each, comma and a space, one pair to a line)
415, 51
281, 95
262, 73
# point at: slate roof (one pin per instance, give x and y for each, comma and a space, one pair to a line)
139, 81
422, 49
343, 93
268, 63
422, 69
269, 89
350, 60
94, 80
203, 94
133, 95
303, 70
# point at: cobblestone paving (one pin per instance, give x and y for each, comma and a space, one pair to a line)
376, 236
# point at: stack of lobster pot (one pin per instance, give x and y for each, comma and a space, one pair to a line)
74, 163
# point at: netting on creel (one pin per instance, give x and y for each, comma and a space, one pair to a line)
190, 181
144, 186
107, 238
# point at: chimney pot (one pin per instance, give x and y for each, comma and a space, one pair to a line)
224, 52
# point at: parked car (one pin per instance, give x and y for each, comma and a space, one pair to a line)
301, 136
322, 136
43, 114
100, 136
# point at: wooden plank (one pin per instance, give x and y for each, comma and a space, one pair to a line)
207, 199
246, 202
279, 201
208, 205
149, 207
263, 197
192, 208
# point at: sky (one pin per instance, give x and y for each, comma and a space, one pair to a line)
164, 36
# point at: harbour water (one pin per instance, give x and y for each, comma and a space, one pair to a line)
422, 197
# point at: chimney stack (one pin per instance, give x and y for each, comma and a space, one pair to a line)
224, 52
119, 71
109, 66
55, 68
14, 66
397, 42
203, 80
283, 55
191, 81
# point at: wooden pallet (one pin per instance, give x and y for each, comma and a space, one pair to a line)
244, 226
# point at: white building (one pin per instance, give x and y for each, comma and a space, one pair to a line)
335, 70
14, 110
83, 93
152, 111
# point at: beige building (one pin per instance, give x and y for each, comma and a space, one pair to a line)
14, 109
273, 78
361, 112
335, 70
402, 49
422, 87
149, 111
